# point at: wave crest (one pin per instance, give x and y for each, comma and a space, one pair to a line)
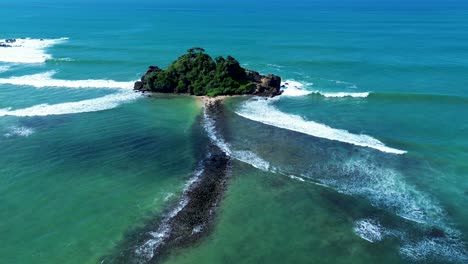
245, 156
294, 88
262, 111
345, 94
45, 79
27, 50
91, 105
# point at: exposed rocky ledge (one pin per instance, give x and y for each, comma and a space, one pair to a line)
189, 220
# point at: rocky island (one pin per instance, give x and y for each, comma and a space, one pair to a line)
194, 215
197, 73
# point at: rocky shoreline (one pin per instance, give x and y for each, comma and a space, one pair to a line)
195, 220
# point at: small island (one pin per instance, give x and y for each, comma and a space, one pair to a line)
197, 73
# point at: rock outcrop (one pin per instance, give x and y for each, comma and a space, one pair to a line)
142, 85
266, 85
6, 43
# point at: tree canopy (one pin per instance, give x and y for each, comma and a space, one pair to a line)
198, 74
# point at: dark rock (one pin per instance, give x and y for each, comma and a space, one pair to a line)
138, 86
269, 85
142, 85
3, 45
10, 40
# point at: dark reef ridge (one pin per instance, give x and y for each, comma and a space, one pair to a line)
192, 218
197, 73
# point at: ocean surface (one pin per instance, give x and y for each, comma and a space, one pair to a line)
363, 159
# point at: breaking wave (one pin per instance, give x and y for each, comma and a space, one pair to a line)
42, 80
91, 105
294, 88
386, 188
245, 156
27, 50
262, 111
345, 94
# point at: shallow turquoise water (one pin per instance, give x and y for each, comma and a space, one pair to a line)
97, 162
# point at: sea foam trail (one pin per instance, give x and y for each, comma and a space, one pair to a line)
262, 111
245, 156
147, 250
42, 80
345, 94
294, 88
91, 105
27, 50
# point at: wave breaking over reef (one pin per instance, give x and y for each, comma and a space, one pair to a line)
27, 50
45, 79
296, 89
85, 106
263, 111
190, 219
212, 111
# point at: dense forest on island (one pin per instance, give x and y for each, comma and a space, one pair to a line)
197, 73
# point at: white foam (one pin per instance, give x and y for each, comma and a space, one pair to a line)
245, 156
345, 94
91, 105
28, 50
45, 80
296, 178
251, 158
262, 111
369, 230
385, 188
445, 249
19, 131
293, 88
147, 249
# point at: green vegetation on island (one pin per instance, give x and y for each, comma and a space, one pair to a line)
197, 73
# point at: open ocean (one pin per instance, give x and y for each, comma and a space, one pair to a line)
363, 159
